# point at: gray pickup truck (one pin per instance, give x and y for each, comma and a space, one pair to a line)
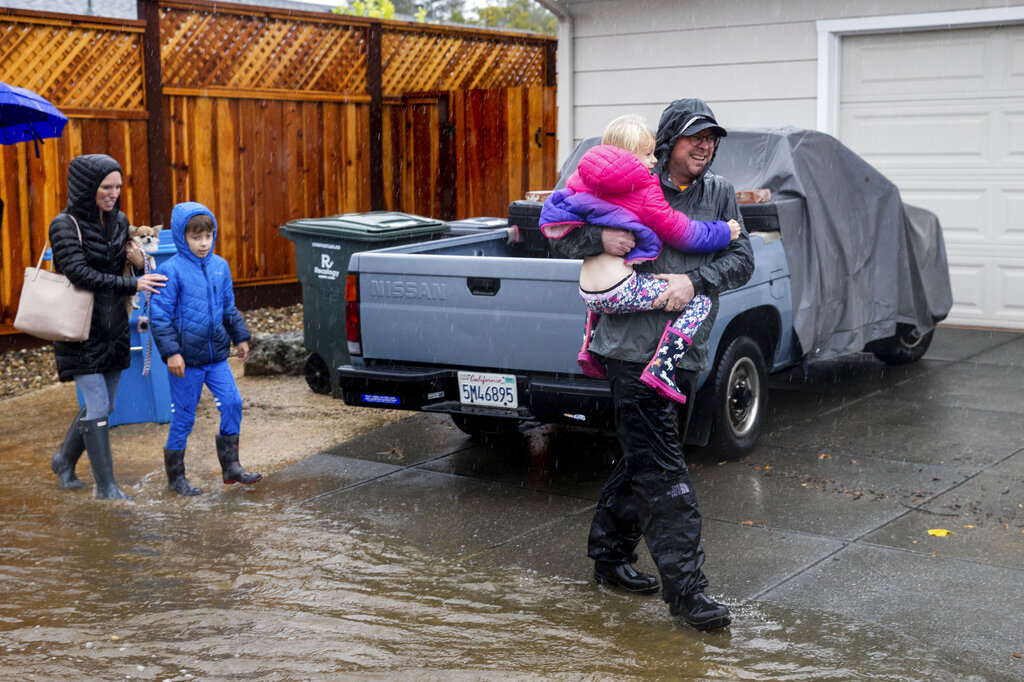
485, 326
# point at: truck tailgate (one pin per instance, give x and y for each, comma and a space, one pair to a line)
466, 319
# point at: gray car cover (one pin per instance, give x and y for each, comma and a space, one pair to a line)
861, 260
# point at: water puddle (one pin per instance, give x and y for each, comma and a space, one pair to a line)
237, 584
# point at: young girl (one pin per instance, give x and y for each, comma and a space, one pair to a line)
613, 187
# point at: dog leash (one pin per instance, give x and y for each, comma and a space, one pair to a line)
147, 352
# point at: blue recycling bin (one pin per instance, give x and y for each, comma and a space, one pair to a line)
144, 398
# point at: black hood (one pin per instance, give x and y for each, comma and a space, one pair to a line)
690, 115
85, 174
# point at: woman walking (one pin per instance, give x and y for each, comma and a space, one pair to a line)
90, 247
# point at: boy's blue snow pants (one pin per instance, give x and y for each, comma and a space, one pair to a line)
185, 394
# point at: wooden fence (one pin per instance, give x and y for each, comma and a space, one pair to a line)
266, 116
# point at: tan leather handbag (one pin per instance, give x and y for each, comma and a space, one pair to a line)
51, 307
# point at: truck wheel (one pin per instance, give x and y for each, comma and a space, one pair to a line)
903, 347
318, 374
485, 428
741, 392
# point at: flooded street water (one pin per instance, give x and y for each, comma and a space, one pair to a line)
253, 583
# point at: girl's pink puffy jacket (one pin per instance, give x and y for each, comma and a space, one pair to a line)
612, 188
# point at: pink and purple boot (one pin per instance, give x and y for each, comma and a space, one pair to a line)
660, 372
588, 362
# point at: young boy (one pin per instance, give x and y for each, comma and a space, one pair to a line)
194, 323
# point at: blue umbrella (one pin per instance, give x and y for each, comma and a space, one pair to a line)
25, 116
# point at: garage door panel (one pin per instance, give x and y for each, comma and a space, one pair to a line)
1013, 288
973, 283
968, 282
877, 136
987, 131
960, 63
963, 211
1015, 74
1011, 218
991, 216
1015, 136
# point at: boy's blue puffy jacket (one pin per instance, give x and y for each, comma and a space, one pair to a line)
195, 314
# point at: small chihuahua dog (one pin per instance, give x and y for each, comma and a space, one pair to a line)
147, 238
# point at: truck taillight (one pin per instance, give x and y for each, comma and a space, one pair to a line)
355, 343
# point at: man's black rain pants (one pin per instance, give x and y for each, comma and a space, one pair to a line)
649, 493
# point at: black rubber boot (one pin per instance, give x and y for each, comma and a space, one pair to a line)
701, 612
96, 435
626, 577
227, 453
174, 465
64, 462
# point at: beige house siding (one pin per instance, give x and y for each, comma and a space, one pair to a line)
755, 62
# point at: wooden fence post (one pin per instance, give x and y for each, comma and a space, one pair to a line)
446, 157
550, 63
159, 180
375, 87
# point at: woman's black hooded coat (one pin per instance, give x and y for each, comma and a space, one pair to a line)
97, 264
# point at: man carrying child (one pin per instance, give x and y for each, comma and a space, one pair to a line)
650, 494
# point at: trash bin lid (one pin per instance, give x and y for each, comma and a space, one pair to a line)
374, 226
481, 223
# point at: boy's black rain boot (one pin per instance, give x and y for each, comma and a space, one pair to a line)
64, 462
96, 435
174, 465
227, 453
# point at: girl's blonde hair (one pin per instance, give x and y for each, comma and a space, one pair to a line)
629, 132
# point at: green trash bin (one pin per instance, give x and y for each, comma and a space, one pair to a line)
323, 247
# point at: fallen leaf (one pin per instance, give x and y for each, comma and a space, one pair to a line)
1018, 655
939, 532
755, 523
969, 526
823, 455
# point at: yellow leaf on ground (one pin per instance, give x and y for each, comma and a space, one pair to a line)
940, 532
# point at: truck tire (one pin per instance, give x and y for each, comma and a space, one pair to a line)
740, 395
903, 348
318, 374
482, 427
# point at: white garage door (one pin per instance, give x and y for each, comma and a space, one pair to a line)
941, 113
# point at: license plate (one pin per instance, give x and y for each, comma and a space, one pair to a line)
488, 390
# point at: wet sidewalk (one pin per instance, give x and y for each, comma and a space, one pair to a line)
840, 512
412, 551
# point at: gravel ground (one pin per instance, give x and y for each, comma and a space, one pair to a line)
28, 369
283, 421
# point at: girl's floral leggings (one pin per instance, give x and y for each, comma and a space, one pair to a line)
637, 293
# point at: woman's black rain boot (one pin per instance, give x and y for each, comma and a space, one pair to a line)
227, 453
174, 465
96, 435
66, 459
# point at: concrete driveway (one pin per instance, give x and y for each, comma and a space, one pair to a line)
839, 511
